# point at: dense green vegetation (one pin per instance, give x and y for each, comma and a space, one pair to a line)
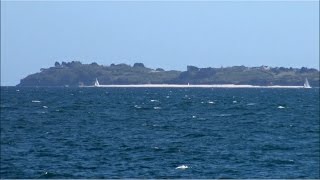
77, 74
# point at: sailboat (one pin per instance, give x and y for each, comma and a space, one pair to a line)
96, 83
306, 84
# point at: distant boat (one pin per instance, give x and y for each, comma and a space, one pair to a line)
96, 83
306, 84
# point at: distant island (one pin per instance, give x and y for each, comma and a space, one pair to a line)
76, 74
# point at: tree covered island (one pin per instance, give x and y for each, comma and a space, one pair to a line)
77, 74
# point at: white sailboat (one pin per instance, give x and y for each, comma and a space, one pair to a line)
96, 83
306, 84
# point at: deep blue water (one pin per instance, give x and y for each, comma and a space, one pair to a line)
148, 133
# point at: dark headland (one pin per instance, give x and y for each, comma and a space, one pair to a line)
77, 74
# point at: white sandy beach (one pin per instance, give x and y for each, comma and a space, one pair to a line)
190, 86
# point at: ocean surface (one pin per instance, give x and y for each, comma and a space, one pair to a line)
159, 133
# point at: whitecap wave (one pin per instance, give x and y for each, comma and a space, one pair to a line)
36, 101
182, 167
251, 104
224, 115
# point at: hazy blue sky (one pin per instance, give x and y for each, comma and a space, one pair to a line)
170, 35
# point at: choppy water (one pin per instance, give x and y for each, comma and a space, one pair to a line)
159, 133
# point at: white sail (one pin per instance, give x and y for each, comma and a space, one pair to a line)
306, 84
96, 83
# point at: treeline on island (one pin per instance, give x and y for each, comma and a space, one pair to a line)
77, 74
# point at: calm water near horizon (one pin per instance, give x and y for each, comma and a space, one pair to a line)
150, 132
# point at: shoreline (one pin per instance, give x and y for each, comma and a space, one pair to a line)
189, 86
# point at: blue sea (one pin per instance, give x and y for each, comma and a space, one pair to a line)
159, 133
